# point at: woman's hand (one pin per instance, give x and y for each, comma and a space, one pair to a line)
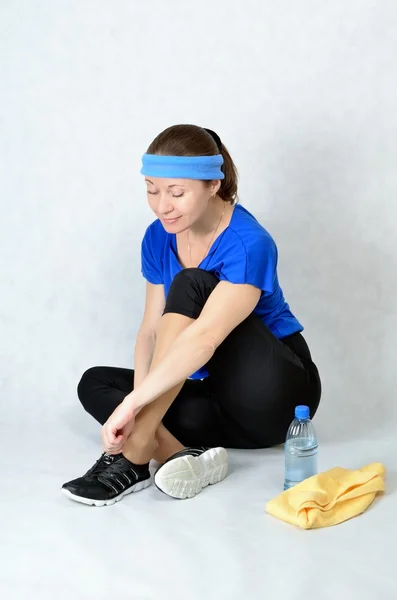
118, 427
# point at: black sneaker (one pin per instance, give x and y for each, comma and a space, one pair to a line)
187, 472
101, 464
108, 485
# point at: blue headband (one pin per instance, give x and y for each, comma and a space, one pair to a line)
183, 167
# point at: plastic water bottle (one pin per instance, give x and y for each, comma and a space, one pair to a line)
300, 448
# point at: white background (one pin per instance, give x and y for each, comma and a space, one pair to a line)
304, 96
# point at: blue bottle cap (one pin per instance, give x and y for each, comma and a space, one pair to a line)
302, 412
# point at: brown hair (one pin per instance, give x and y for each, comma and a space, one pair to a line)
191, 140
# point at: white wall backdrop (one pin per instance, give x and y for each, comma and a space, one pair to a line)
303, 94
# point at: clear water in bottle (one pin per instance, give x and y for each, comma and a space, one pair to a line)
300, 448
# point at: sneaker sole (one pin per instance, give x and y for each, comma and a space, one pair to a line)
186, 476
141, 485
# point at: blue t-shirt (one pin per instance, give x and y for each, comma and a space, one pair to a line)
243, 253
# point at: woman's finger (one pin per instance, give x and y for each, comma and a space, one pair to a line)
118, 443
112, 439
106, 439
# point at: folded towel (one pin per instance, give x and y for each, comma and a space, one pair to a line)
329, 498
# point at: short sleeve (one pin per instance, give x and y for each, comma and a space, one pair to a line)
252, 261
151, 257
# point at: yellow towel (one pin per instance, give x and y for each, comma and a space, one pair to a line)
329, 498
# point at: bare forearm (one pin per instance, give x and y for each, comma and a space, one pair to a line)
143, 355
191, 350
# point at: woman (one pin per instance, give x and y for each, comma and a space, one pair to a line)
219, 357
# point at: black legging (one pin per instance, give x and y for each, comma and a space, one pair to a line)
249, 397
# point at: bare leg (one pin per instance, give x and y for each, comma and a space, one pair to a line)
167, 444
150, 438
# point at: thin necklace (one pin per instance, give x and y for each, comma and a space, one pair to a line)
211, 240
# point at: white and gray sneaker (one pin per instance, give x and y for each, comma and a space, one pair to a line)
187, 472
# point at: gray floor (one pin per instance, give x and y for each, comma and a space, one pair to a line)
220, 545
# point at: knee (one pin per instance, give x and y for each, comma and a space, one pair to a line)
189, 291
86, 384
188, 277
